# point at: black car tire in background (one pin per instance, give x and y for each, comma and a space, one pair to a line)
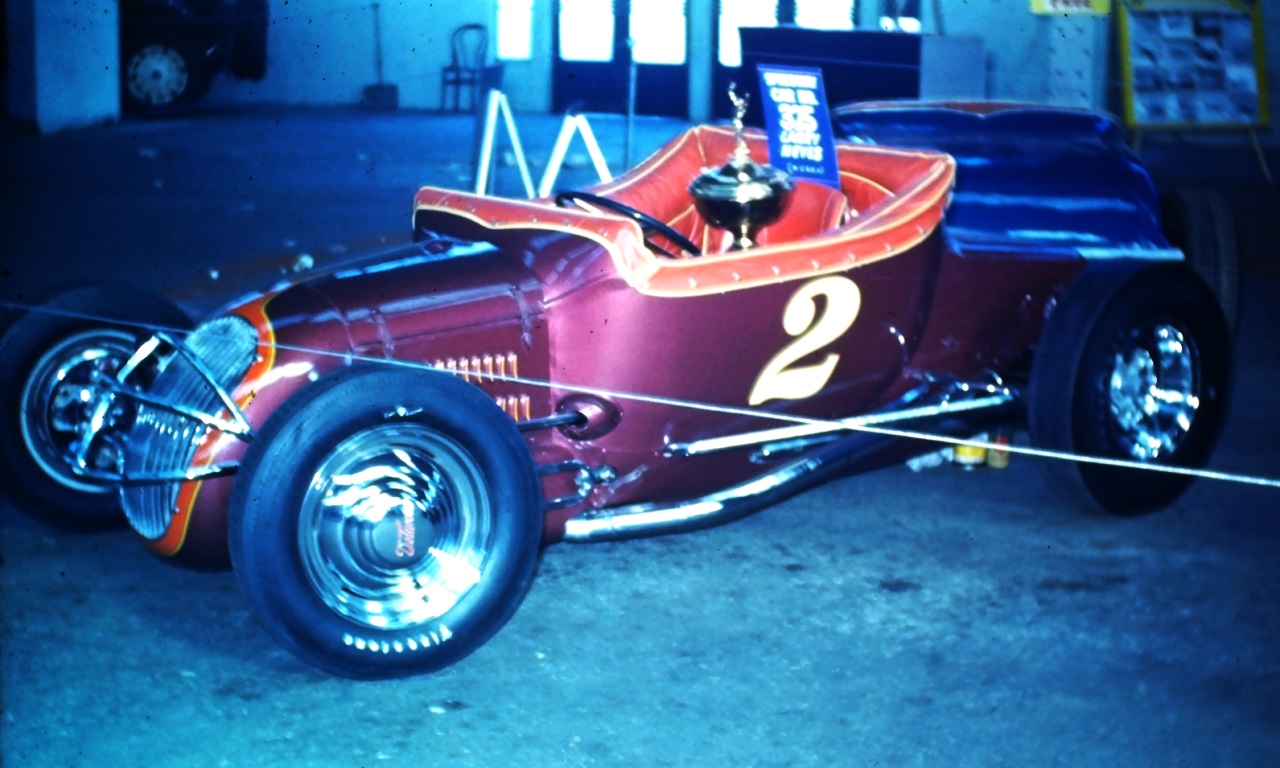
385, 522
170, 50
48, 361
161, 72
1133, 364
1199, 221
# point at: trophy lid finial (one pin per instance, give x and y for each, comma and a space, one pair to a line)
740, 153
742, 195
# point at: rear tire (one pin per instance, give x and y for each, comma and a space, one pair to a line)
1133, 365
386, 522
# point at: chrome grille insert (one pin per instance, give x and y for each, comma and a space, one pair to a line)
164, 442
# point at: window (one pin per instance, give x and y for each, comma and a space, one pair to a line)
586, 30
659, 29
515, 30
824, 14
742, 13
901, 14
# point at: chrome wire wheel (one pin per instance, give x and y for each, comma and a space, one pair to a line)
395, 527
1152, 391
57, 402
157, 75
1133, 364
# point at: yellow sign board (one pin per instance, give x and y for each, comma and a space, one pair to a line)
1056, 7
1193, 64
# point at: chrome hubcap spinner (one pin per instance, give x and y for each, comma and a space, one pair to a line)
1152, 389
395, 526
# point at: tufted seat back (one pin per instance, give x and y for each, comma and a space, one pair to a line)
660, 187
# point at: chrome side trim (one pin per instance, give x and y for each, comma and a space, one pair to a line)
1147, 254
998, 396
634, 520
158, 478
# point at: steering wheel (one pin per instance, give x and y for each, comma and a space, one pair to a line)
647, 223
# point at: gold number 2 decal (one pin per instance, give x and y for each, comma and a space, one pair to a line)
781, 378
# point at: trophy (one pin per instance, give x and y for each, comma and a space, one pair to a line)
741, 195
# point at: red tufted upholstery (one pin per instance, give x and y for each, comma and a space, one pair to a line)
660, 187
889, 200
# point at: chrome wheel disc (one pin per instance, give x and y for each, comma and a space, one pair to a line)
1152, 390
58, 399
157, 75
395, 526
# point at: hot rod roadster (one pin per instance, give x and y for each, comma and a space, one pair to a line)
381, 449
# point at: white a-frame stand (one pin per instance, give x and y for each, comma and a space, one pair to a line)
498, 105
572, 124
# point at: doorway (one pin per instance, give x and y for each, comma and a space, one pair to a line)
732, 15
596, 43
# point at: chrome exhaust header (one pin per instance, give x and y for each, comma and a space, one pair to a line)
637, 520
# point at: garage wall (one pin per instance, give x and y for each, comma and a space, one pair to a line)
322, 51
62, 62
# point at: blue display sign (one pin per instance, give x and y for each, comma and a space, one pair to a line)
801, 140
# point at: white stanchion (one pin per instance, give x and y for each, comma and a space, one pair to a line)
573, 124
498, 105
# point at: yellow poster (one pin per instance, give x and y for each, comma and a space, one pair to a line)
1198, 64
1094, 7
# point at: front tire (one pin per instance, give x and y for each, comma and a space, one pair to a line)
49, 360
1133, 365
386, 522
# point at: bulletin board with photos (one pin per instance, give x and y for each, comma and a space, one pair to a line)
1193, 64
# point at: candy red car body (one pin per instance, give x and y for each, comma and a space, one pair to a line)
381, 449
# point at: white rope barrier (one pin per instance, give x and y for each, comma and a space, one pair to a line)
1266, 482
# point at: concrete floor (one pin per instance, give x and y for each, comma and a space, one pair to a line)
944, 618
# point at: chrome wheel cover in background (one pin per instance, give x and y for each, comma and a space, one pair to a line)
157, 75
57, 400
395, 527
1152, 390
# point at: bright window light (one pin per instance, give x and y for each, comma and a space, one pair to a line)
824, 14
515, 30
586, 30
742, 13
903, 23
659, 29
